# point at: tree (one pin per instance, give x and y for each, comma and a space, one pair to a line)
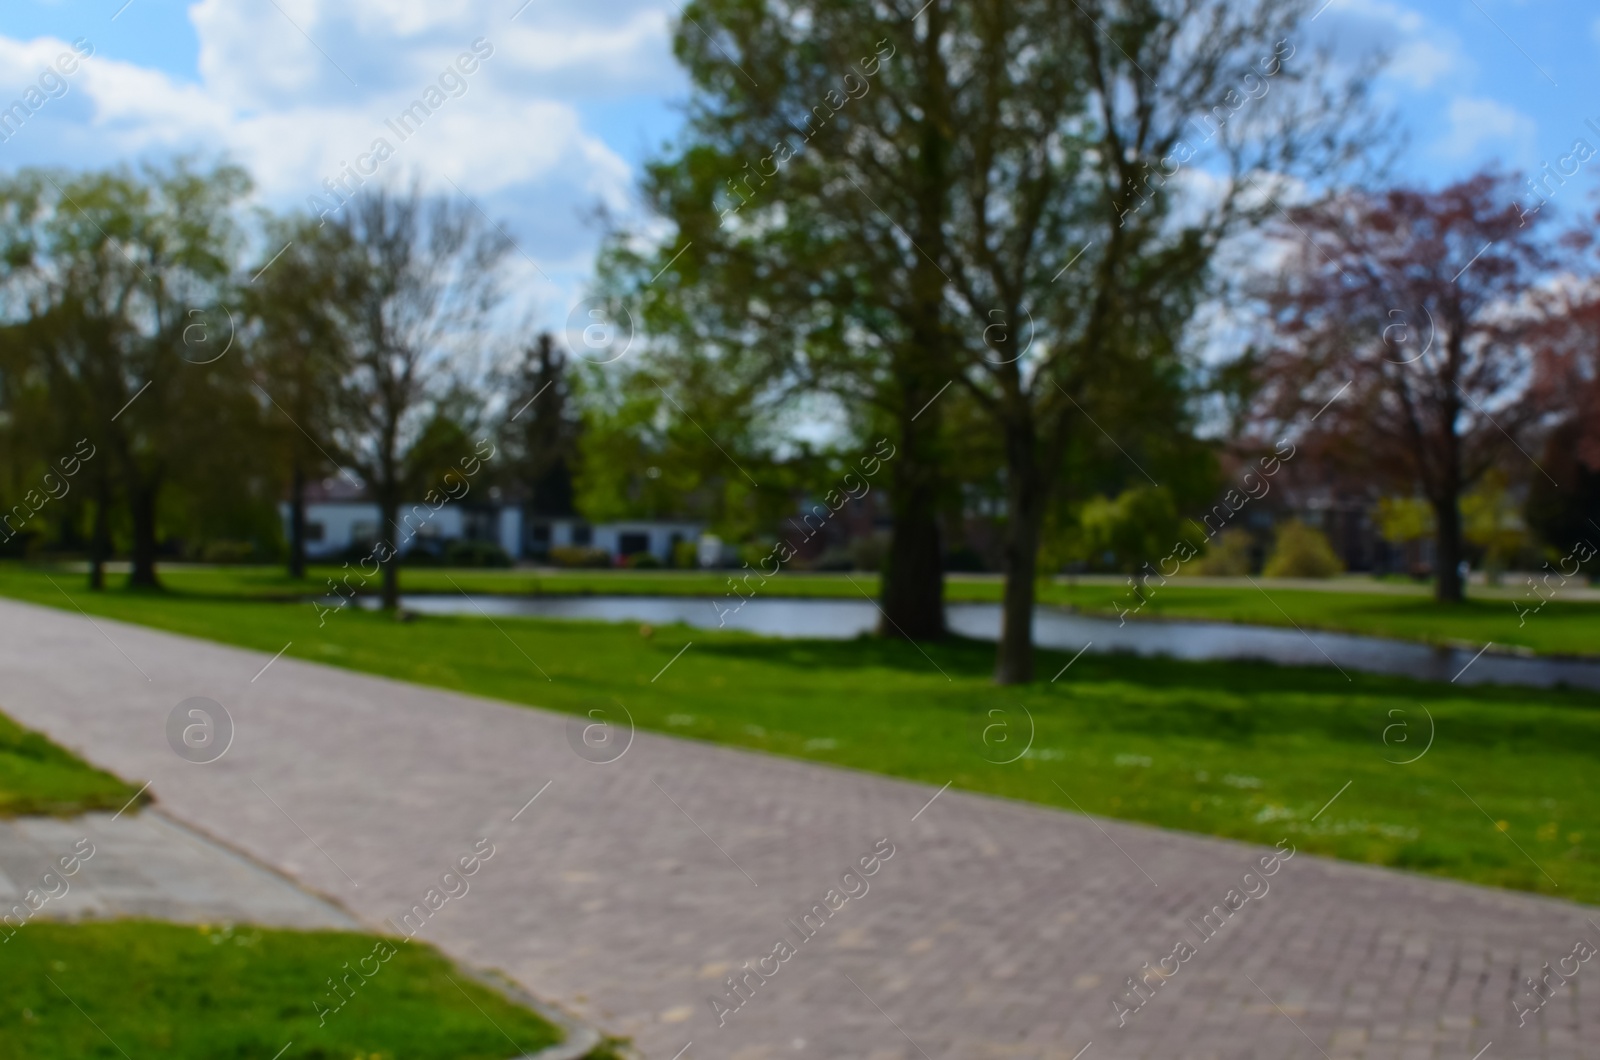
1405, 304
647, 449
125, 278
1565, 507
298, 309
1138, 523
1080, 216
787, 262
543, 430
428, 278
1490, 519
927, 230
1404, 521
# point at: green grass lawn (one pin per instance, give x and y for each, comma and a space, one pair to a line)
37, 777
144, 989
1387, 609
1246, 750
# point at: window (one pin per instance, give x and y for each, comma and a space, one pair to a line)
314, 531
630, 544
581, 534
364, 532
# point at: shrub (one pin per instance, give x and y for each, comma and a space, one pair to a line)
643, 561
752, 554
686, 555
1227, 556
579, 556
1301, 552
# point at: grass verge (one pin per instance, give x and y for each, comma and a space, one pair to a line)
1559, 628
37, 777
140, 988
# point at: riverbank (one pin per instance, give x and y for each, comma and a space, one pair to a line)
1569, 625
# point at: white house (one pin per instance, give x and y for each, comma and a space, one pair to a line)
620, 539
340, 517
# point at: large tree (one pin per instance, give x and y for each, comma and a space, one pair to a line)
787, 261
429, 276
299, 308
125, 277
1022, 198
1565, 508
1407, 304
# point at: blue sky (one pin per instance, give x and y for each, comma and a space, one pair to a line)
574, 96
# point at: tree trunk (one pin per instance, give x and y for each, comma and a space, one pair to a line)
913, 571
142, 508
1013, 664
913, 576
297, 522
1447, 551
100, 534
388, 518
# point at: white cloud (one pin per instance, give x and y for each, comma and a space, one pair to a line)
1420, 52
296, 88
1421, 62
602, 55
1477, 121
1399, 18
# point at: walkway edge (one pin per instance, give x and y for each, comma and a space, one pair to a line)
579, 1037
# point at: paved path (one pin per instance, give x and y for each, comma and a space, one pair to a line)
629, 891
145, 865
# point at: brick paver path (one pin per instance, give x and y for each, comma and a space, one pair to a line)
630, 891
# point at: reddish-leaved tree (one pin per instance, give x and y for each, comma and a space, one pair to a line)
1567, 358
1407, 312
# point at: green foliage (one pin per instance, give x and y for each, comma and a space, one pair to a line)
1140, 526
686, 555
1300, 551
643, 453
119, 287
1492, 520
36, 776
1227, 556
1402, 520
579, 556
198, 993
643, 561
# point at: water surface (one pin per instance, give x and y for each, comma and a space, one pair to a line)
1053, 628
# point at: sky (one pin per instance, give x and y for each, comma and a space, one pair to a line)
570, 98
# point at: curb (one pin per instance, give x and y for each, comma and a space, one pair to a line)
580, 1037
